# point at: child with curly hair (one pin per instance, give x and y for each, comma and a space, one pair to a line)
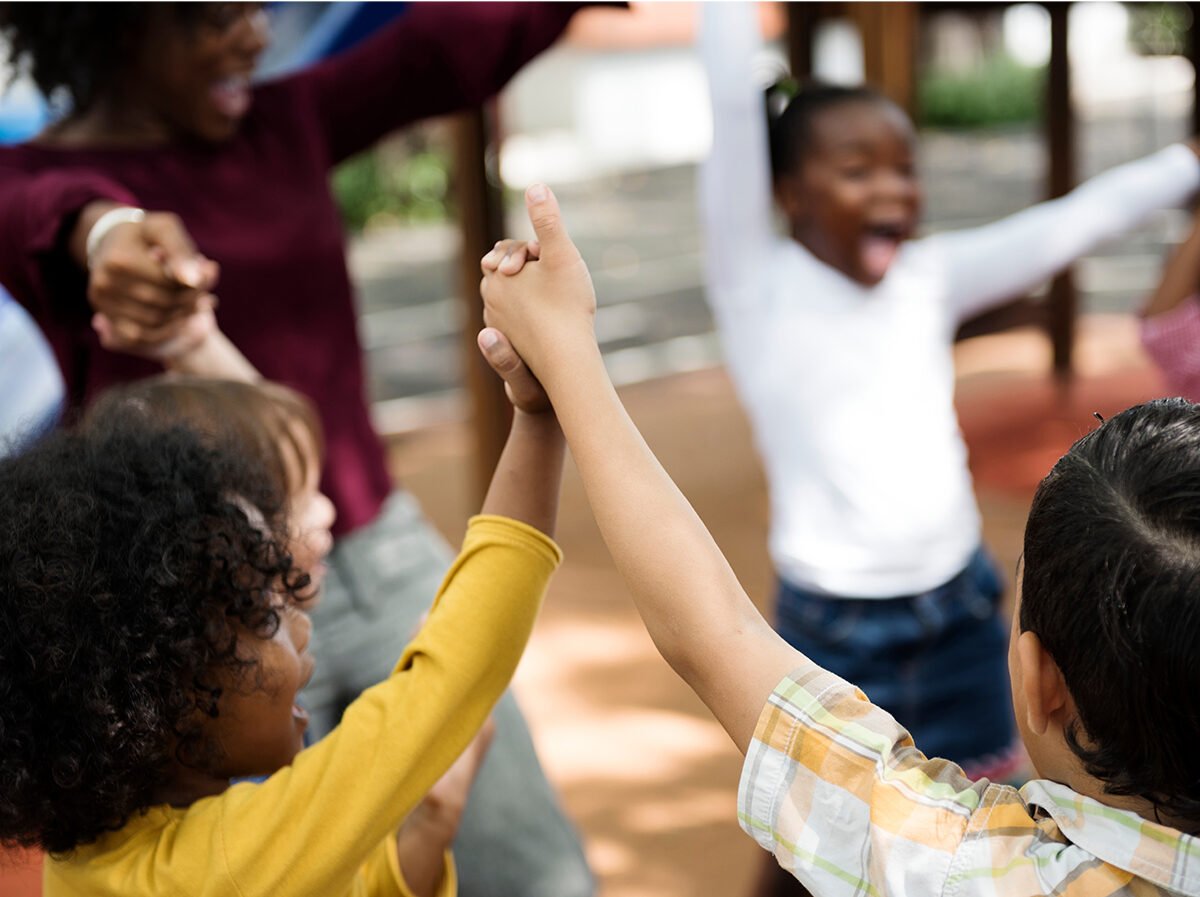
153, 640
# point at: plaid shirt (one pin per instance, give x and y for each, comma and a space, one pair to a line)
835, 788
1172, 339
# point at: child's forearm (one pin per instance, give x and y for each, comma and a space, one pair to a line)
528, 477
215, 357
697, 613
1180, 278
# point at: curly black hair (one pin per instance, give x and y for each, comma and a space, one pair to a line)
73, 51
131, 556
1111, 587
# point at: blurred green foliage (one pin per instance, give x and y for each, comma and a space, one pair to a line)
388, 185
998, 92
1159, 29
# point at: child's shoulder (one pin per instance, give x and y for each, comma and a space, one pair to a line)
132, 853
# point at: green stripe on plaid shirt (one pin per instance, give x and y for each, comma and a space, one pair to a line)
836, 789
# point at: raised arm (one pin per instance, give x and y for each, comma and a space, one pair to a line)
988, 264
735, 179
404, 733
699, 616
436, 58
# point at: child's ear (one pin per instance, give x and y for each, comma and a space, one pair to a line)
789, 194
1045, 690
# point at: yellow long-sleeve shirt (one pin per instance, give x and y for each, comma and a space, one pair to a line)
325, 826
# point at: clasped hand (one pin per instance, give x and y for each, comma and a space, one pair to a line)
539, 304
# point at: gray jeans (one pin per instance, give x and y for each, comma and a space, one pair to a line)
514, 840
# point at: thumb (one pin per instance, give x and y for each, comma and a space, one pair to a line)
180, 259
547, 222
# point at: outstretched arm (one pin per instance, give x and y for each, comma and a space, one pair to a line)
988, 264
699, 616
435, 59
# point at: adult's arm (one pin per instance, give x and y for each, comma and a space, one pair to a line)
146, 276
988, 264
436, 58
735, 178
38, 215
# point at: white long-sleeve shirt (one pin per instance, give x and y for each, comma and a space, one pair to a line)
850, 388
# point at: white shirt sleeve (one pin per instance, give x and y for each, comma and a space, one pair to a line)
735, 179
988, 264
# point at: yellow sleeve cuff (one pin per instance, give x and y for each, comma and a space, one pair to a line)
494, 528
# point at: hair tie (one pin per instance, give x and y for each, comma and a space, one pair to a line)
780, 94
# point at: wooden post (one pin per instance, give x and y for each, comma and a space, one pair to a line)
1062, 303
481, 224
801, 33
889, 40
1193, 54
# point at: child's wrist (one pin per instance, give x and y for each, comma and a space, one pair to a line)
543, 423
191, 358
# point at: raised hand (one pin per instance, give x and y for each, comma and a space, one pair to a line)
546, 310
509, 256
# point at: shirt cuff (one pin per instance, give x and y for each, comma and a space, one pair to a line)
494, 528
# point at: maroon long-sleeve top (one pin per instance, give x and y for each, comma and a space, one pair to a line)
261, 206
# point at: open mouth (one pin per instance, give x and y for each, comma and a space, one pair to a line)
231, 95
879, 245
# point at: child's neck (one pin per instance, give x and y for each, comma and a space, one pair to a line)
188, 786
1086, 785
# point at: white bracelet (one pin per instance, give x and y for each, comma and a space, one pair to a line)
105, 223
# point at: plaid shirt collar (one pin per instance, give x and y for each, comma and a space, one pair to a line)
1157, 853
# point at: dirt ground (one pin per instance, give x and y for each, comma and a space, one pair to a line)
645, 773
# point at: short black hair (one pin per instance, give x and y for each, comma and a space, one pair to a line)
72, 51
790, 129
1112, 588
131, 558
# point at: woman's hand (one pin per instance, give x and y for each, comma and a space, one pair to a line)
146, 278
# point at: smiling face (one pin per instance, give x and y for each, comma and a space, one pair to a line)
194, 75
854, 197
260, 727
